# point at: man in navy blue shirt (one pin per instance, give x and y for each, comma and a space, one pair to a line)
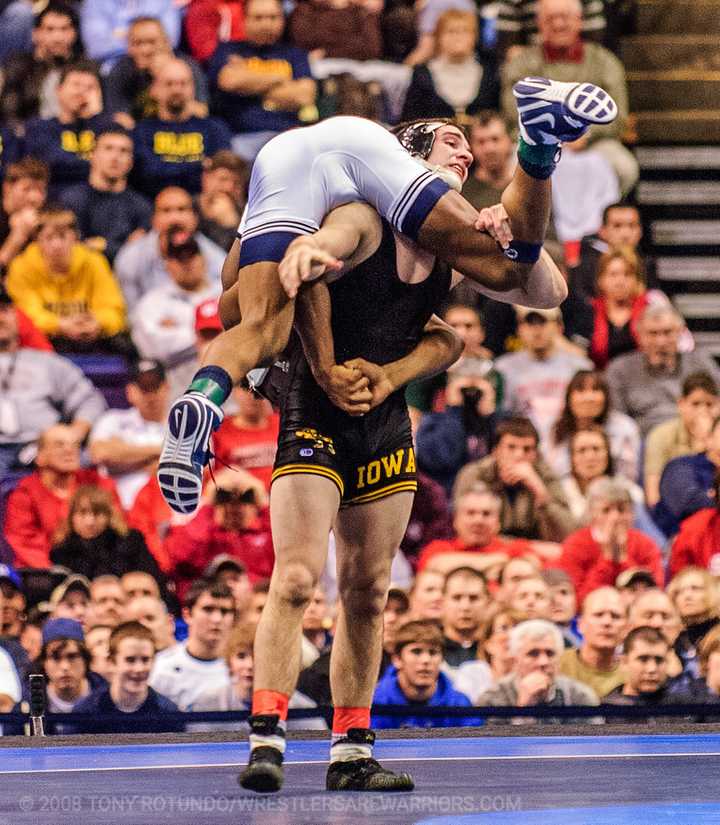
128, 704
688, 485
109, 212
170, 148
65, 142
262, 86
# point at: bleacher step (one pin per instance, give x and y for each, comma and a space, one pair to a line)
650, 52
708, 341
685, 233
683, 268
674, 193
668, 16
705, 158
676, 89
705, 305
678, 125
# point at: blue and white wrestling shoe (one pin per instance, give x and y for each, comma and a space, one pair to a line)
186, 452
553, 112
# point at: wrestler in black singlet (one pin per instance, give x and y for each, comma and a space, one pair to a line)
377, 317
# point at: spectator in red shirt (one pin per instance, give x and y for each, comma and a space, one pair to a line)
28, 334
209, 22
476, 543
594, 556
40, 502
429, 518
698, 542
234, 524
248, 439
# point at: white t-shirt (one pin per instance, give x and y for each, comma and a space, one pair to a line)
163, 322
473, 679
9, 680
129, 426
182, 678
536, 389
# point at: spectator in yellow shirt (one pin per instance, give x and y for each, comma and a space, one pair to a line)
67, 289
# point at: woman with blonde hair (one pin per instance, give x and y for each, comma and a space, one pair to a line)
621, 298
695, 595
94, 539
453, 83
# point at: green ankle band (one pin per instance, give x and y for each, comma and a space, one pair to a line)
538, 161
210, 389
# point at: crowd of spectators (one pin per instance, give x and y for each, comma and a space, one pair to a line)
564, 545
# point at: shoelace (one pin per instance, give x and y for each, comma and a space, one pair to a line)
212, 457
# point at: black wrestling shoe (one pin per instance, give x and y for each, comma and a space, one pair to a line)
364, 774
264, 773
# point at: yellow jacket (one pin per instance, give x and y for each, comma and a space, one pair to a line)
46, 297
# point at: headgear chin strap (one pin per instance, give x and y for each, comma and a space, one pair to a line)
446, 175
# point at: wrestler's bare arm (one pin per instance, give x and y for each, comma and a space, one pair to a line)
536, 291
348, 236
545, 286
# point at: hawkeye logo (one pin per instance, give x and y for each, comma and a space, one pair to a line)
401, 461
320, 442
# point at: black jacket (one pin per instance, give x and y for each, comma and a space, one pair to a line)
422, 99
109, 553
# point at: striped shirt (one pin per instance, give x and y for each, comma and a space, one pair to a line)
517, 23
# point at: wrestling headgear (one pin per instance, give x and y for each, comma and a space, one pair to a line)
418, 138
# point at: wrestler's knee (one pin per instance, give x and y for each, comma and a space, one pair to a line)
364, 597
294, 583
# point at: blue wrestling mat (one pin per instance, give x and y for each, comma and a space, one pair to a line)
473, 780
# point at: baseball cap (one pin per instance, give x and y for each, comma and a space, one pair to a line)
148, 374
62, 629
207, 317
529, 315
71, 583
8, 574
635, 575
223, 562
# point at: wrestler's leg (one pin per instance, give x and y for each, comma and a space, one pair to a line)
265, 315
367, 537
265, 321
302, 510
548, 114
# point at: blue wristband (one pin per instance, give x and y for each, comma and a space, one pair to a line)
523, 253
